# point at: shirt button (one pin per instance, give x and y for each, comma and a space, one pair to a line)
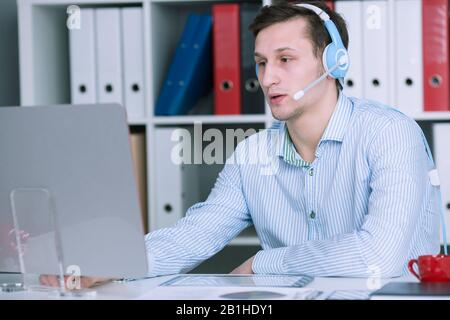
312, 215
311, 172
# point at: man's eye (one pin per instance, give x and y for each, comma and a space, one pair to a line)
285, 59
261, 64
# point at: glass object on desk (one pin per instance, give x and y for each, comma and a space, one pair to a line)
36, 239
11, 287
11, 281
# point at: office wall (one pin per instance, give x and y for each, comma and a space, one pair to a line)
9, 56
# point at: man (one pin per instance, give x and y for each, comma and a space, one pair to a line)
351, 193
347, 193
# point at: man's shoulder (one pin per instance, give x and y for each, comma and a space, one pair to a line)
375, 116
376, 111
378, 119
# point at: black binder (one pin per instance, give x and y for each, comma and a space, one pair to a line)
251, 93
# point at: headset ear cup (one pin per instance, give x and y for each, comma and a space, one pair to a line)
324, 59
329, 59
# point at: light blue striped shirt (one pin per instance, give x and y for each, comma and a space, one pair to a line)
363, 207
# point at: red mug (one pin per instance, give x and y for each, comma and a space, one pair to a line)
432, 268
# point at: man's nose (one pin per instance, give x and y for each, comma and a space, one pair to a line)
269, 76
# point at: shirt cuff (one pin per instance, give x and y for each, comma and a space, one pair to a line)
150, 264
269, 261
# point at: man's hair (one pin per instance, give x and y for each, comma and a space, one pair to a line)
315, 30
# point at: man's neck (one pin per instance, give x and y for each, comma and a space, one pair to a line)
307, 129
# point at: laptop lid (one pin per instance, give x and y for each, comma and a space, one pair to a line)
66, 181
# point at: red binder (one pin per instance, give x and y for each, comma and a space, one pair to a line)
330, 4
227, 61
435, 55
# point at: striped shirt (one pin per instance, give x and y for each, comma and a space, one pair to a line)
363, 207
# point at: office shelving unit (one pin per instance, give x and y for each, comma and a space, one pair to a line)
45, 70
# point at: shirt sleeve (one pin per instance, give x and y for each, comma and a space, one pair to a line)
206, 229
398, 183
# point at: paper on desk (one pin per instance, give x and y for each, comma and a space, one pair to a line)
228, 293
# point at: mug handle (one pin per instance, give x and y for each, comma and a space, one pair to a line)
411, 268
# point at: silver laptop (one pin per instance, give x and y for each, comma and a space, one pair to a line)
68, 196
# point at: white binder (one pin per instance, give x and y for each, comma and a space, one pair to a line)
133, 61
82, 60
376, 61
408, 57
109, 60
176, 184
441, 136
353, 14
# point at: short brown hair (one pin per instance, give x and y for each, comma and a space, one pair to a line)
316, 31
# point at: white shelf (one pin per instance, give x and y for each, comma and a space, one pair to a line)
138, 121
431, 115
177, 120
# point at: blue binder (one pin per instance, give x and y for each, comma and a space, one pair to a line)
192, 77
169, 85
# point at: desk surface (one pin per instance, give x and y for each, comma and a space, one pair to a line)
336, 288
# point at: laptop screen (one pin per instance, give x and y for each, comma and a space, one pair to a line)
68, 192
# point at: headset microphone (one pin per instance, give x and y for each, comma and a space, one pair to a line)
343, 60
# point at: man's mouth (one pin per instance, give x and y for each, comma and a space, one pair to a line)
276, 98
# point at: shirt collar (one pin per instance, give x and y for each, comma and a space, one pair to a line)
334, 131
282, 138
290, 154
339, 120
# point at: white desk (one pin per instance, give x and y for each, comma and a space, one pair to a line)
345, 288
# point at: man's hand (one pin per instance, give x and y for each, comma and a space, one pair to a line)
85, 282
245, 268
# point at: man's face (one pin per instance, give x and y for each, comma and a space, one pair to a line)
286, 64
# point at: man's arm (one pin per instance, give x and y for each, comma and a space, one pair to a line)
206, 229
245, 268
399, 166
